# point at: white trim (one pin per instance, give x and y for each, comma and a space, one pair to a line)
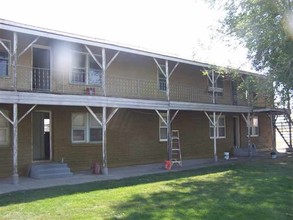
217, 126
51, 62
254, 128
165, 126
88, 56
9, 57
6, 129
87, 127
51, 133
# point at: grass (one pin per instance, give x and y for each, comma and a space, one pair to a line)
254, 190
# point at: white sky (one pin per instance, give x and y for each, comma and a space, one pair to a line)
176, 27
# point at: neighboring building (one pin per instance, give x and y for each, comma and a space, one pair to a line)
70, 98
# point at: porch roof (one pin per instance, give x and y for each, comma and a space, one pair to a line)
114, 102
74, 38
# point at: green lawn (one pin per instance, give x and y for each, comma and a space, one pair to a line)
251, 190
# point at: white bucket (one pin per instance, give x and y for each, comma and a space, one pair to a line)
226, 155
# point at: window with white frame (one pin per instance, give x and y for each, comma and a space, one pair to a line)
220, 128
163, 127
85, 69
85, 128
161, 78
4, 130
4, 58
254, 129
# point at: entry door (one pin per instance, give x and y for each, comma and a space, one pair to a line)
41, 136
41, 69
236, 131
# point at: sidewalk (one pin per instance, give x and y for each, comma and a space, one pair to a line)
26, 183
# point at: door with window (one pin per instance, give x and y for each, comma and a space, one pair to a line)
41, 136
41, 69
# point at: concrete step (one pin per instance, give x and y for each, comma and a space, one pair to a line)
49, 170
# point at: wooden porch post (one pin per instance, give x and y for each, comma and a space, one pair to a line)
14, 59
104, 138
15, 177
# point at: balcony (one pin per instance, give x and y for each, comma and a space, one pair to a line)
43, 80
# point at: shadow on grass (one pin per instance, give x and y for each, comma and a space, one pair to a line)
262, 191
26, 196
259, 190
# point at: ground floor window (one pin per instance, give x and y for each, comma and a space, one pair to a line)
220, 128
4, 130
163, 127
85, 128
254, 129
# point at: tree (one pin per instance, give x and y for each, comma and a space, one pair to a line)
265, 27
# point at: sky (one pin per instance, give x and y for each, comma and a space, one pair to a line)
182, 28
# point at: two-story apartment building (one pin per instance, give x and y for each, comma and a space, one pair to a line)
71, 98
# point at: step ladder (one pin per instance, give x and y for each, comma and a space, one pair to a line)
175, 148
284, 125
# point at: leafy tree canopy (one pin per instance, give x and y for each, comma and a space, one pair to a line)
265, 27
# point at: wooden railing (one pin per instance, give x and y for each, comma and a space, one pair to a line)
61, 82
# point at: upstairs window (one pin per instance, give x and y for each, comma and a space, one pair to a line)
4, 130
85, 70
161, 78
254, 129
85, 128
220, 128
4, 59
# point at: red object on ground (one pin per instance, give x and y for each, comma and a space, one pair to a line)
96, 168
168, 165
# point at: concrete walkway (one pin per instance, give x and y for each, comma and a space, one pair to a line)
26, 183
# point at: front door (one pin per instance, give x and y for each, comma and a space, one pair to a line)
41, 136
236, 131
41, 69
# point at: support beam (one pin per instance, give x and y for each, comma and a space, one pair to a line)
248, 124
169, 130
15, 177
167, 80
173, 117
29, 111
159, 114
172, 71
113, 58
28, 46
105, 159
272, 117
214, 122
5, 47
159, 66
94, 115
112, 114
104, 65
8, 119
14, 60
93, 56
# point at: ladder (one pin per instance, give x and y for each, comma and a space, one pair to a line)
175, 148
283, 124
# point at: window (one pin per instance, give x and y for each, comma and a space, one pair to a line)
163, 128
162, 78
254, 129
4, 59
4, 130
85, 70
85, 128
220, 129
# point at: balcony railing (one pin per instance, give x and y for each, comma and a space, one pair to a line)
54, 81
